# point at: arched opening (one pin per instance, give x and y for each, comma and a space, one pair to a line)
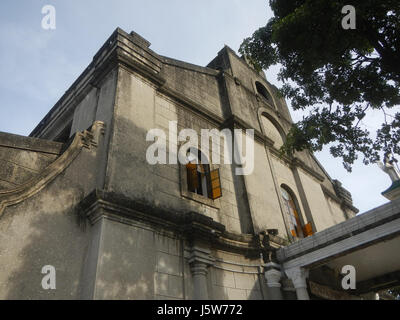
200, 179
272, 132
263, 92
292, 213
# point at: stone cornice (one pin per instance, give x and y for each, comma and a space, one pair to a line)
100, 203
330, 194
189, 66
30, 144
191, 225
334, 197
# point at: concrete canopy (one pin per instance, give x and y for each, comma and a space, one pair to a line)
370, 242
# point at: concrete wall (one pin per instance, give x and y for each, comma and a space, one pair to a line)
245, 93
23, 158
336, 211
262, 194
235, 277
136, 262
138, 109
321, 214
85, 112
195, 83
45, 230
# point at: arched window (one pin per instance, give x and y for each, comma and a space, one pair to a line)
263, 91
200, 178
292, 214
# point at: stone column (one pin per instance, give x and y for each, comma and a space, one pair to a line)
298, 276
273, 275
199, 260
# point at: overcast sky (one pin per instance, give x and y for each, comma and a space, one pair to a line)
37, 66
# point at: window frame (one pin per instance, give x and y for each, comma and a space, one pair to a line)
300, 224
186, 193
264, 94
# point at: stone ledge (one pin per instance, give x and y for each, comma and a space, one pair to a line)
102, 203
191, 225
189, 66
10, 140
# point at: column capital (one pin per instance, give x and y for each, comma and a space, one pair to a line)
200, 258
273, 274
199, 268
273, 277
298, 276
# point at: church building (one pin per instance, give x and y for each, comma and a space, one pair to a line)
80, 196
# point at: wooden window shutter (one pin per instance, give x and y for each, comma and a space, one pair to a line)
193, 181
307, 230
215, 184
200, 168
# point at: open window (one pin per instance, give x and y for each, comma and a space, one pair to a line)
262, 91
200, 179
296, 227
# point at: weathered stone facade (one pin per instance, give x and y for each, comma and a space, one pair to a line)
79, 194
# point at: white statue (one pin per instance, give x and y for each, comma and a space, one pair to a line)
389, 169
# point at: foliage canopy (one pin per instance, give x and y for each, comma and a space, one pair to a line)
337, 75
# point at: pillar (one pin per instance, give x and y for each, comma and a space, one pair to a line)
273, 275
298, 276
200, 260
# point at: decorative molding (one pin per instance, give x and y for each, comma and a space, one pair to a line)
334, 197
86, 139
273, 277
200, 258
237, 266
235, 270
273, 274
272, 115
191, 225
298, 276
